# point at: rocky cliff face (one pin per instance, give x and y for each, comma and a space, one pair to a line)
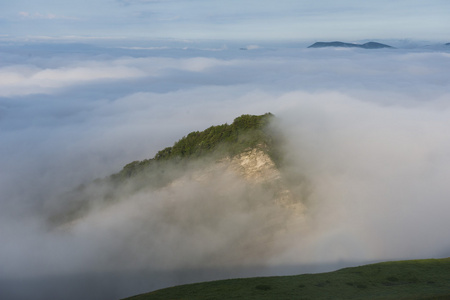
254, 165
254, 168
257, 167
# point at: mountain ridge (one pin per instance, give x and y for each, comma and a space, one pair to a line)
246, 131
246, 148
368, 45
230, 204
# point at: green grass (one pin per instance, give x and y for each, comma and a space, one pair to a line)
413, 279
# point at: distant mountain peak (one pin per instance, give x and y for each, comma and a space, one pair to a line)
369, 45
375, 45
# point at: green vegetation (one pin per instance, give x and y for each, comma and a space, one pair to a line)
247, 131
415, 279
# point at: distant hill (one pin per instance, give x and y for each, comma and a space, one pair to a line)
448, 44
414, 279
369, 45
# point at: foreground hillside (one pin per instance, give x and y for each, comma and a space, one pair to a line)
414, 279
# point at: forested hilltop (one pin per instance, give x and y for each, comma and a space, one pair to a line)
246, 131
197, 149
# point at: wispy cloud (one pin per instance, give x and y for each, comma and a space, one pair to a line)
133, 2
20, 80
45, 16
26, 80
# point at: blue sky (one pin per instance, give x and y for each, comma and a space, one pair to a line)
248, 19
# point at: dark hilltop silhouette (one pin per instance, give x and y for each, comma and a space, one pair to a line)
369, 45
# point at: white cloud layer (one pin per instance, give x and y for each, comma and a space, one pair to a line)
20, 80
367, 131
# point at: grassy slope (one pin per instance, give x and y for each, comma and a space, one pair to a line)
414, 279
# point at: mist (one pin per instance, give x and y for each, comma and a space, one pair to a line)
365, 152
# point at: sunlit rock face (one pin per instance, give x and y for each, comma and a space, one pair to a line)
253, 168
257, 167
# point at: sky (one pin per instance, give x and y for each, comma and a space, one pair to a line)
248, 20
89, 86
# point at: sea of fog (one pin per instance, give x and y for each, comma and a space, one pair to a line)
367, 130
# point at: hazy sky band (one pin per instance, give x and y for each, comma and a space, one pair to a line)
249, 19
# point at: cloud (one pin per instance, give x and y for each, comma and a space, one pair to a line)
22, 79
135, 2
25, 80
367, 150
245, 20
24, 14
378, 178
46, 16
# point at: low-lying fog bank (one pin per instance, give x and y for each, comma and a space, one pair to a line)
366, 133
